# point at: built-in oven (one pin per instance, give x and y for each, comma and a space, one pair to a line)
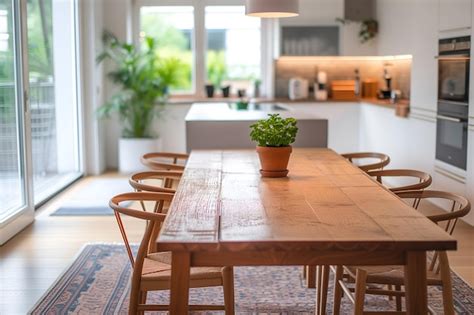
451, 134
453, 100
453, 69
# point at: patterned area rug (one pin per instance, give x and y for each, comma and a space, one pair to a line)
98, 283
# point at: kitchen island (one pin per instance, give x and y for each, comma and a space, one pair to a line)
224, 125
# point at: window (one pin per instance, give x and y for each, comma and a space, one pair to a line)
172, 28
214, 41
233, 46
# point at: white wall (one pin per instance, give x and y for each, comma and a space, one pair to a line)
411, 27
117, 19
92, 81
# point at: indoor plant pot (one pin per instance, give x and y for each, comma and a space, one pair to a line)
274, 137
225, 91
274, 160
132, 149
210, 90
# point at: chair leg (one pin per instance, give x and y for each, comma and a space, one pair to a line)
324, 289
361, 280
445, 273
143, 296
228, 284
319, 288
398, 299
311, 277
337, 290
304, 271
390, 288
135, 298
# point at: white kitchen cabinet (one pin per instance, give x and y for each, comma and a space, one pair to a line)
454, 14
343, 123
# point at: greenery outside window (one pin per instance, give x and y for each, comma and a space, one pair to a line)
215, 42
172, 28
233, 47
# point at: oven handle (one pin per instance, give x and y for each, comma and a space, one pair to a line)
453, 57
458, 120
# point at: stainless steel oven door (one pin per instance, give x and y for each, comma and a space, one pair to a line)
453, 78
451, 140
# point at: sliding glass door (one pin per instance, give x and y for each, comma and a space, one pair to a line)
16, 205
39, 116
53, 98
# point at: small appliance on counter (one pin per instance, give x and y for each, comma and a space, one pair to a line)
387, 92
320, 87
343, 90
298, 89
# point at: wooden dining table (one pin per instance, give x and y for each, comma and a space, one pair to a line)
326, 212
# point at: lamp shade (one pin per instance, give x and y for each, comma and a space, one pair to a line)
272, 8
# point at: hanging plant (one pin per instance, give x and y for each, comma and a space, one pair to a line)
368, 28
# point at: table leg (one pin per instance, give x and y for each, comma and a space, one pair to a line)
416, 284
179, 291
311, 277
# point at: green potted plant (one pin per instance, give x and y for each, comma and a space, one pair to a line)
217, 71
274, 137
144, 80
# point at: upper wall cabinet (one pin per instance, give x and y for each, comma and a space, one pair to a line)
454, 15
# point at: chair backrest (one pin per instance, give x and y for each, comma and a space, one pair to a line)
166, 177
165, 160
424, 179
153, 220
384, 160
459, 207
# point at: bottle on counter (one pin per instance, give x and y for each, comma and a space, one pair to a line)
357, 83
388, 79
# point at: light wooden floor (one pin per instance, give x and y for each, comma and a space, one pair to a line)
34, 259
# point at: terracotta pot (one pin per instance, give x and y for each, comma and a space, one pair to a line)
274, 160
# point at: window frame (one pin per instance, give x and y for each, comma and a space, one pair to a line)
199, 40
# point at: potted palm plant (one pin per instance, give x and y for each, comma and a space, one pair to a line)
144, 80
274, 137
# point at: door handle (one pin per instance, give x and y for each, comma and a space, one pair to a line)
458, 120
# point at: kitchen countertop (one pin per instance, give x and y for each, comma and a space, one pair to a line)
223, 112
204, 100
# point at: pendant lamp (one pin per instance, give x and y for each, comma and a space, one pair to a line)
272, 8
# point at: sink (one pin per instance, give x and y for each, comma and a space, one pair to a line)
263, 107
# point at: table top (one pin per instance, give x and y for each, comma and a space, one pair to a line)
325, 203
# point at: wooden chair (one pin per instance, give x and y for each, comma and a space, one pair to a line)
438, 272
424, 179
167, 183
165, 161
384, 160
152, 271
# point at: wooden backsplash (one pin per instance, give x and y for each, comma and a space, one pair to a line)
342, 68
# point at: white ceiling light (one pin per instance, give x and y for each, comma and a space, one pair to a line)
272, 8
